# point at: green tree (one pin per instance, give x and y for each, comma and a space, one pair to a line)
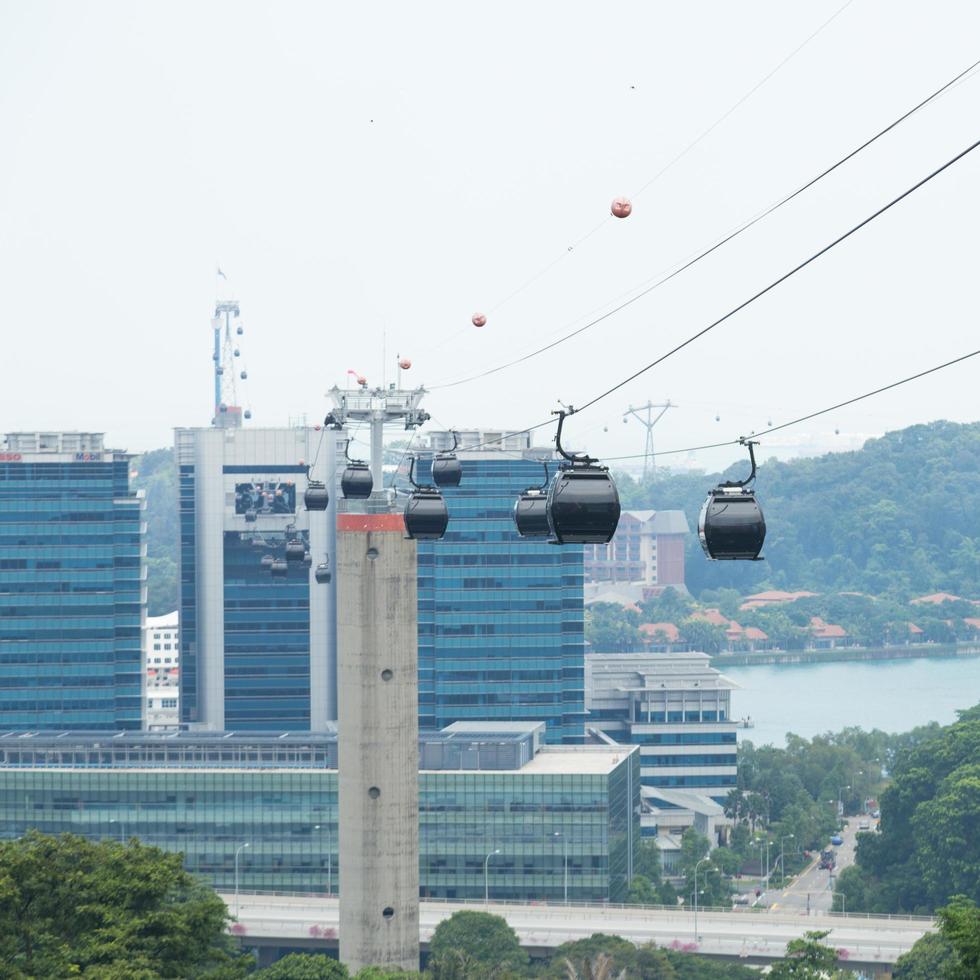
808, 959
157, 478
931, 958
485, 941
304, 966
69, 906
959, 923
702, 636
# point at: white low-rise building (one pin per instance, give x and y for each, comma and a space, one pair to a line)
677, 708
161, 670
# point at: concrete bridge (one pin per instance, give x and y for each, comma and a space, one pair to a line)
870, 943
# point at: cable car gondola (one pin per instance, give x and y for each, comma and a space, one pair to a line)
322, 573
316, 496
583, 502
279, 568
295, 550
356, 482
531, 511
731, 526
266, 561
251, 517
426, 516
447, 470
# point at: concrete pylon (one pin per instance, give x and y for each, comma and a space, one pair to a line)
378, 761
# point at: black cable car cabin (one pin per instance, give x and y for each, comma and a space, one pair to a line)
531, 514
447, 471
356, 482
322, 573
295, 550
279, 568
531, 511
731, 526
426, 516
266, 561
316, 496
583, 502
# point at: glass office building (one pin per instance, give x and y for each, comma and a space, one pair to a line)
485, 790
257, 652
72, 599
501, 618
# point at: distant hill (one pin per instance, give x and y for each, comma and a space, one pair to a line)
158, 477
901, 516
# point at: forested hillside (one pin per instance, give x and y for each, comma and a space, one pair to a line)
157, 476
901, 516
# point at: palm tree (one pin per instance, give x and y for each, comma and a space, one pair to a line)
599, 967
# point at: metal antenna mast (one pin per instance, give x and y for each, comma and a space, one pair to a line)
648, 422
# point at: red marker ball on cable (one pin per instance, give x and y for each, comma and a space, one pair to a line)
622, 207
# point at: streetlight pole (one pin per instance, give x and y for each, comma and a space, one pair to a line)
486, 876
840, 800
329, 858
782, 860
564, 854
697, 938
238, 851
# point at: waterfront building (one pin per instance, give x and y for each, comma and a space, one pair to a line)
677, 708
500, 812
647, 548
72, 592
501, 618
256, 652
161, 670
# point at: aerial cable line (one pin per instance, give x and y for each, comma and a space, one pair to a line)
806, 418
742, 100
786, 275
723, 241
762, 292
676, 159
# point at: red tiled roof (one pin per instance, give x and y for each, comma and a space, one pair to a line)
826, 631
936, 598
667, 630
754, 633
712, 616
972, 621
913, 628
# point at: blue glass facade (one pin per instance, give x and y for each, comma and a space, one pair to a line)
501, 621
267, 638
573, 808
71, 592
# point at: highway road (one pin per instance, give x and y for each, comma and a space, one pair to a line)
813, 888
753, 934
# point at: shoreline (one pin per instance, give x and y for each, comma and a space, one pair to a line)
845, 654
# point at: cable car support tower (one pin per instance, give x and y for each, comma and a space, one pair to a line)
648, 422
228, 413
378, 407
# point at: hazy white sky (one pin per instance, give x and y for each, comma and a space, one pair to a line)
389, 168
